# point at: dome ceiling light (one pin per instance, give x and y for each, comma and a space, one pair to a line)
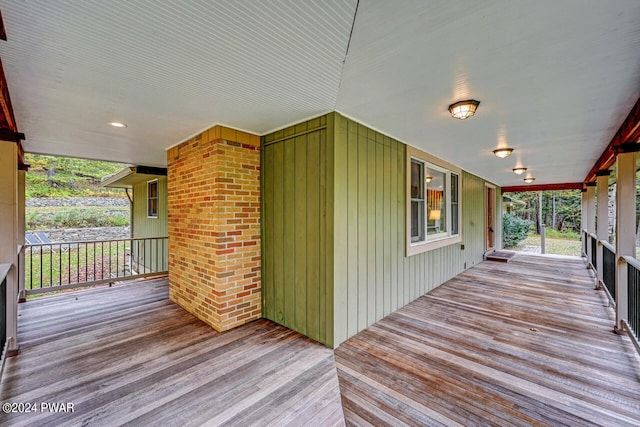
503, 152
463, 109
519, 171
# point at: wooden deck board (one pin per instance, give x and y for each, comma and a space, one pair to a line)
127, 355
528, 342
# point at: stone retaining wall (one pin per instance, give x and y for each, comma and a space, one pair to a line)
87, 234
77, 201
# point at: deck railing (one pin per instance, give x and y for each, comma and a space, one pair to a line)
585, 240
609, 268
633, 296
620, 276
56, 266
594, 251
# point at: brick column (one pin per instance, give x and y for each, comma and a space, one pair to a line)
214, 227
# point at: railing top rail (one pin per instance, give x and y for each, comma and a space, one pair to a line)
593, 236
608, 246
82, 242
632, 261
4, 270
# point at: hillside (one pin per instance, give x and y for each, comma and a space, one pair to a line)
51, 176
65, 193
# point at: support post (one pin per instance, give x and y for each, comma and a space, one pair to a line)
590, 216
9, 232
602, 226
583, 222
543, 234
22, 176
625, 225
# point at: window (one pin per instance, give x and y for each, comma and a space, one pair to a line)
152, 199
433, 207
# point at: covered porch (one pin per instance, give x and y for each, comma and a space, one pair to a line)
521, 343
318, 176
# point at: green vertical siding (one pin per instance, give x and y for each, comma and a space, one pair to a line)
473, 236
150, 227
372, 276
296, 230
333, 229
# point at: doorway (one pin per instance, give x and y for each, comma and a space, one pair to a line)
490, 218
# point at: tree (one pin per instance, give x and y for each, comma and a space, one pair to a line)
568, 208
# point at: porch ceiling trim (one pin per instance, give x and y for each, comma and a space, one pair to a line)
543, 187
129, 176
629, 132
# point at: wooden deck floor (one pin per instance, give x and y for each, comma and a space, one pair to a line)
127, 355
524, 343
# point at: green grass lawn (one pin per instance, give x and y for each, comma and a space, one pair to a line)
557, 244
82, 263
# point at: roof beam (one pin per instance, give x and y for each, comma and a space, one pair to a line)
629, 132
7, 119
542, 187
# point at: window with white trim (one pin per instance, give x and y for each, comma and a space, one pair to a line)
433, 202
152, 199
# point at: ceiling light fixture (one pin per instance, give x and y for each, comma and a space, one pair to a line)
503, 152
463, 109
428, 179
529, 180
519, 171
118, 124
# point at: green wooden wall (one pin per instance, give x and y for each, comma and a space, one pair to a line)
372, 276
149, 227
334, 229
297, 228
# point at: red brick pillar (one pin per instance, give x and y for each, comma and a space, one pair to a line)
214, 227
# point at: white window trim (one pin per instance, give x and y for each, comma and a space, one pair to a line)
157, 199
428, 245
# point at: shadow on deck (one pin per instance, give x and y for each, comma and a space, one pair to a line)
523, 343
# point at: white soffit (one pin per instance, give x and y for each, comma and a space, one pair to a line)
555, 79
168, 69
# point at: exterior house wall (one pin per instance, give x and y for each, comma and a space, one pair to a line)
372, 276
214, 227
148, 256
297, 236
354, 271
144, 226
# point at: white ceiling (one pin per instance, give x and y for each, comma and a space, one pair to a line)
555, 78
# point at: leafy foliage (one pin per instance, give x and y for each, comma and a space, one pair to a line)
514, 230
568, 209
51, 176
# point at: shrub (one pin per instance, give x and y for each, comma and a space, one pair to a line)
514, 230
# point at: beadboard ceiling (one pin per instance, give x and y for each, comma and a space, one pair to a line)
555, 79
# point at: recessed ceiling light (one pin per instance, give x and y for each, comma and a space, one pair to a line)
529, 180
503, 152
118, 125
519, 171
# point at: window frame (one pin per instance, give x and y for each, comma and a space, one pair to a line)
445, 238
156, 198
